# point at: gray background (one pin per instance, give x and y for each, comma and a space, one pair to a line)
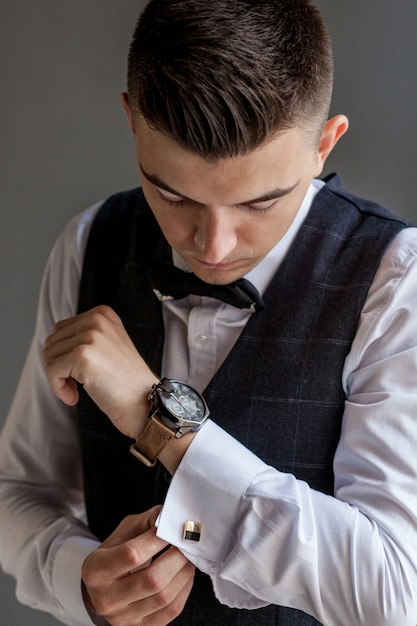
64, 141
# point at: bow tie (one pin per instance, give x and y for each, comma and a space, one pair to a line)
170, 283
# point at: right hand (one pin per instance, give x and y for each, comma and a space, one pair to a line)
124, 585
95, 350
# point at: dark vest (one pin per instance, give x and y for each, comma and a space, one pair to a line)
284, 372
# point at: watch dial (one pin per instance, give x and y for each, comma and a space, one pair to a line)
183, 402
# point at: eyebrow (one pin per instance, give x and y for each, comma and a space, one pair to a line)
271, 195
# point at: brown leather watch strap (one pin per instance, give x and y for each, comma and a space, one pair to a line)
153, 439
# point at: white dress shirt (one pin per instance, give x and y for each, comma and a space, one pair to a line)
267, 537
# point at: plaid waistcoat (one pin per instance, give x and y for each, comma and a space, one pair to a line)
279, 391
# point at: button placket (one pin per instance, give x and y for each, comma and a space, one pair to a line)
202, 343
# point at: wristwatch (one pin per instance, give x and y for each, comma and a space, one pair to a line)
176, 409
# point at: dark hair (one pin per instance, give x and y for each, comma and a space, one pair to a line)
220, 77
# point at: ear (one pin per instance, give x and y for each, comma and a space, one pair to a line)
333, 129
124, 97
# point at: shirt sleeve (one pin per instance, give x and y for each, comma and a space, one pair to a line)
268, 538
43, 540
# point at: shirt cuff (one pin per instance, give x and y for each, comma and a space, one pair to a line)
207, 488
66, 578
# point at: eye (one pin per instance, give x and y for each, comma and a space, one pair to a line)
262, 207
168, 197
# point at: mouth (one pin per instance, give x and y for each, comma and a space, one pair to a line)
223, 265
218, 266
219, 273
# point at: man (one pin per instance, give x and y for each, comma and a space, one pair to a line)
296, 500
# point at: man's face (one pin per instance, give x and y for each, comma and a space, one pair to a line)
224, 216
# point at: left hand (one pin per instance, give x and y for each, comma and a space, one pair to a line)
128, 580
94, 349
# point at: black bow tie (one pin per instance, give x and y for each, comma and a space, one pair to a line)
170, 283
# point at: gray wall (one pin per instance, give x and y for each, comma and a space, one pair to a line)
64, 142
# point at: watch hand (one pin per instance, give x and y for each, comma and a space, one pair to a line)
179, 398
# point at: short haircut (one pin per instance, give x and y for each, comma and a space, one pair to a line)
221, 77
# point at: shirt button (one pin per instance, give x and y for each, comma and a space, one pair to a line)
201, 340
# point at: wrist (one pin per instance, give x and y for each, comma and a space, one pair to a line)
172, 454
146, 404
177, 412
134, 422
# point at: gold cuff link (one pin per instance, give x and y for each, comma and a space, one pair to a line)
192, 530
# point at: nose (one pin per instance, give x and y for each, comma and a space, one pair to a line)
215, 236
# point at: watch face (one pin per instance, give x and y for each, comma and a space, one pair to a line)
183, 402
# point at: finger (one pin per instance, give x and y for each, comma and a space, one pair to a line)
66, 389
163, 607
106, 565
61, 353
174, 609
147, 591
132, 526
158, 584
65, 329
64, 342
62, 383
99, 318
63, 373
77, 357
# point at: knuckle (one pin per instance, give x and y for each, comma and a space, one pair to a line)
128, 521
57, 327
103, 604
174, 609
99, 320
154, 583
82, 354
131, 556
96, 321
103, 311
163, 598
88, 571
88, 574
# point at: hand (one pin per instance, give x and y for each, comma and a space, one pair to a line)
94, 349
124, 585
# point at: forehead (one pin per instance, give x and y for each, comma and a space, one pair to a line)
279, 162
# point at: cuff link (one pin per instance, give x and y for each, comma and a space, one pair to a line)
192, 531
